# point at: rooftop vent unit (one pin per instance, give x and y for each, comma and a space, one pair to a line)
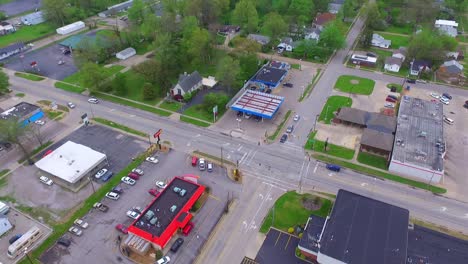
422, 134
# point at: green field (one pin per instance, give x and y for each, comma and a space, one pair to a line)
197, 111
406, 29
135, 83
333, 104
354, 84
31, 77
78, 76
397, 41
69, 87
288, 211
372, 160
170, 105
27, 33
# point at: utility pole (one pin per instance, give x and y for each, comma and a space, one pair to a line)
222, 164
315, 122
92, 184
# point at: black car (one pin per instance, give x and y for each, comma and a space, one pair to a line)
14, 238
117, 189
284, 138
290, 85
258, 118
239, 114
107, 176
64, 241
410, 80
466, 104
446, 95
253, 88
177, 244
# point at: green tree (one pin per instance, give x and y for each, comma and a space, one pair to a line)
331, 37
55, 11
347, 10
227, 71
431, 45
321, 5
248, 64
421, 11
87, 51
119, 84
4, 82
136, 13
207, 11
13, 131
214, 99
93, 76
149, 92
301, 11
366, 37
245, 15
3, 16
274, 26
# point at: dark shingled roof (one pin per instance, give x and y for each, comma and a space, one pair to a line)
376, 139
12, 47
270, 75
187, 81
353, 115
393, 60
311, 234
362, 230
376, 121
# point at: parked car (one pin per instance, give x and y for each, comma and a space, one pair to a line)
247, 115
290, 129
187, 229
118, 189
154, 192
333, 167
46, 180
296, 117
64, 241
239, 114
290, 85
410, 80
390, 99
138, 171
14, 238
161, 184
446, 95
75, 230
100, 173
393, 96
101, 207
444, 100
128, 180
268, 91
284, 138
258, 118
132, 214
194, 161
202, 164
134, 176
152, 160
435, 95
163, 260
389, 105
79, 222
39, 122
93, 101
177, 244
209, 167
71, 105
122, 228
107, 176
466, 104
449, 120
112, 195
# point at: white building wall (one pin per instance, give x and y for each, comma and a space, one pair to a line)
415, 171
324, 259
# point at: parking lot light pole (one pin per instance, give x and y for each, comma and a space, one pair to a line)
26, 253
92, 184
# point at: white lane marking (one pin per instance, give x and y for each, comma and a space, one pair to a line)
331, 174
228, 156
466, 215
316, 166
251, 157
364, 184
243, 157
132, 116
112, 110
307, 169
239, 149
443, 208
252, 222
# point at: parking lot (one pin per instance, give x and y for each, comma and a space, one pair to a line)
20, 6
99, 243
278, 247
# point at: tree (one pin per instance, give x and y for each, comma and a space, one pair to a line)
347, 10
301, 11
227, 71
136, 13
321, 5
3, 16
119, 84
15, 132
37, 133
248, 66
245, 15
149, 92
4, 82
431, 45
331, 37
274, 26
214, 99
93, 76
366, 37
421, 11
198, 46
87, 51
207, 11
55, 11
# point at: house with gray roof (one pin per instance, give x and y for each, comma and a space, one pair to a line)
187, 83
263, 40
33, 18
400, 53
393, 64
379, 41
451, 72
12, 50
5, 224
313, 34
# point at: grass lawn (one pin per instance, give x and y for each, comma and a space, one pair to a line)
332, 105
333, 150
27, 34
53, 114
119, 126
197, 111
296, 66
20, 95
406, 29
280, 126
288, 211
135, 84
31, 77
381, 174
372, 160
354, 84
399, 88
397, 41
170, 105
77, 77
220, 39
194, 121
69, 87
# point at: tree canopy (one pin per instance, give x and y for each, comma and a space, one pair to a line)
431, 45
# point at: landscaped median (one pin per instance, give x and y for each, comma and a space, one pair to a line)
69, 87
280, 126
123, 101
119, 126
355, 85
380, 174
31, 77
332, 105
334, 150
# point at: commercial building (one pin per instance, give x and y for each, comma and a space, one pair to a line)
419, 145
167, 213
24, 112
33, 18
309, 243
11, 50
71, 164
269, 77
258, 104
71, 28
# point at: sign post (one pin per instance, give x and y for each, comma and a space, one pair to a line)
215, 112
157, 135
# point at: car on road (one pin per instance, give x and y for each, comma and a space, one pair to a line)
444, 100
39, 122
154, 192
100, 173
112, 195
71, 105
122, 228
209, 167
175, 247
132, 214
75, 230
446, 95
296, 117
466, 104
101, 207
128, 180
201, 164
290, 85
389, 105
333, 167
46, 180
93, 101
64, 241
161, 184
283, 138
79, 222
138, 171
152, 160
163, 260
435, 95
290, 129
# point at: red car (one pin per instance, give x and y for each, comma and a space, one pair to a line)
154, 192
187, 229
134, 176
390, 99
121, 228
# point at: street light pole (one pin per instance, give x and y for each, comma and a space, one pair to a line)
27, 256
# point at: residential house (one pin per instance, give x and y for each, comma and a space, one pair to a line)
451, 72
5, 224
263, 40
455, 55
322, 19
393, 64
400, 53
448, 27
33, 18
313, 34
228, 29
6, 28
187, 83
381, 42
363, 59
418, 66
335, 5
11, 50
286, 44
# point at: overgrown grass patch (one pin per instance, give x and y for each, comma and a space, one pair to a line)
406, 29
333, 104
27, 33
194, 121
31, 77
119, 100
69, 87
372, 160
296, 66
333, 150
119, 126
398, 87
170, 105
77, 77
355, 85
199, 112
21, 95
52, 114
280, 126
397, 40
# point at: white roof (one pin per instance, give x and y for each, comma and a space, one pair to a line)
443, 22
72, 26
71, 161
209, 82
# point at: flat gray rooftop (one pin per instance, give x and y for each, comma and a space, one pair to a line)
419, 138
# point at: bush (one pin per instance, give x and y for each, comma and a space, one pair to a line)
159, 254
290, 230
207, 189
300, 235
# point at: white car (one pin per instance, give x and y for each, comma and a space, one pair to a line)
100, 173
128, 180
435, 95
389, 105
152, 160
71, 105
46, 180
75, 230
296, 117
79, 222
138, 171
161, 184
444, 100
39, 122
132, 214
112, 195
202, 164
163, 260
93, 101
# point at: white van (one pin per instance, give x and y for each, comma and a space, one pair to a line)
448, 120
4, 209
